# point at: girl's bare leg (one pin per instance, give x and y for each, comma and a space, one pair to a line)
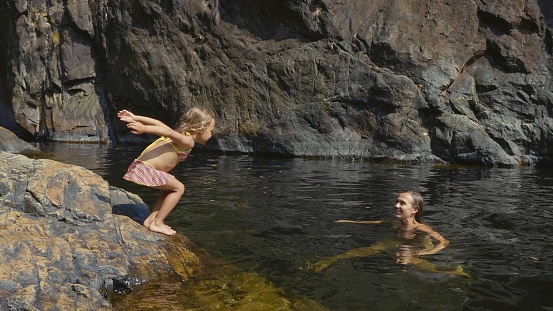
173, 191
155, 210
150, 219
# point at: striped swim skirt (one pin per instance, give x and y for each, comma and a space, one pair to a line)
143, 173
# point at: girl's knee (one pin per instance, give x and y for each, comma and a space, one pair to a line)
180, 188
174, 186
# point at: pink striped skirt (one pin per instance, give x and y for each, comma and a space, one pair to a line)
143, 173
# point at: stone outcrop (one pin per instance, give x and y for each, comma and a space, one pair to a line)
70, 241
9, 142
459, 81
62, 247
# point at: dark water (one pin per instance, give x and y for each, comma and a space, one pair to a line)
274, 216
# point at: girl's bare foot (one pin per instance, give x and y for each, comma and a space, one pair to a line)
148, 222
163, 228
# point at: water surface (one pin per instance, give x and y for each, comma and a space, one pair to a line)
274, 216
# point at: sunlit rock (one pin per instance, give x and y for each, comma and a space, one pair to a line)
70, 241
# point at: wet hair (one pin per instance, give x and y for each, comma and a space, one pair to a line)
195, 120
418, 201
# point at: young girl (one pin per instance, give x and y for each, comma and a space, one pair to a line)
408, 210
152, 166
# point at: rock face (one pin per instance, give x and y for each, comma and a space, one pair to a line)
61, 246
457, 81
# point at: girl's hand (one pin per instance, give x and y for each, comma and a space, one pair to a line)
126, 116
137, 127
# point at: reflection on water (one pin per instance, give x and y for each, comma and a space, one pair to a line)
274, 216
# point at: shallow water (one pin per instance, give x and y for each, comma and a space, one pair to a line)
272, 217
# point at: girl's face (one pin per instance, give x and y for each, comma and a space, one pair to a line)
404, 207
204, 136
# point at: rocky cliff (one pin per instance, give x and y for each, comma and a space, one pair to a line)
457, 81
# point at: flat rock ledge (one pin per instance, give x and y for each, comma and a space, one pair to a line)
62, 246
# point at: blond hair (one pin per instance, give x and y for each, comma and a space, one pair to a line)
195, 120
417, 201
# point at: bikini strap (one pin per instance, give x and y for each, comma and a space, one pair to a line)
163, 138
176, 149
150, 146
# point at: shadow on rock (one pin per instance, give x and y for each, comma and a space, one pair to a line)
136, 212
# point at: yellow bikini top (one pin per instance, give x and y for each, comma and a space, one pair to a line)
182, 154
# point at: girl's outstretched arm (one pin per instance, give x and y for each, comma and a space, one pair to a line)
361, 221
127, 116
442, 242
144, 125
